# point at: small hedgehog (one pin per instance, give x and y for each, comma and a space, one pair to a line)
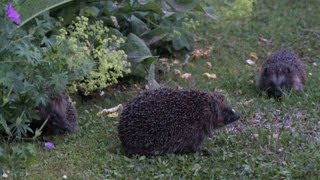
283, 70
61, 114
168, 120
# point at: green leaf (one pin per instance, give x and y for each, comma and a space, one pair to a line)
136, 50
137, 25
90, 11
109, 8
149, 6
209, 11
5, 125
34, 8
182, 5
152, 83
153, 36
1, 155
185, 40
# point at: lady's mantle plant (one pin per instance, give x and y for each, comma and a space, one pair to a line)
91, 45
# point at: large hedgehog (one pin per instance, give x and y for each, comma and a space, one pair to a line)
171, 121
283, 70
61, 115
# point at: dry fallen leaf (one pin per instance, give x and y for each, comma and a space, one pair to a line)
253, 56
254, 122
263, 40
197, 53
177, 72
115, 21
207, 53
176, 62
256, 136
186, 76
209, 64
239, 92
113, 115
111, 110
163, 60
248, 103
101, 93
250, 62
137, 86
201, 53
210, 75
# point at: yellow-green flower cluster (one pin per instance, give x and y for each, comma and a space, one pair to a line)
93, 47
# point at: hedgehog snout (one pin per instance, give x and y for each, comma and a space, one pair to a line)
275, 92
229, 116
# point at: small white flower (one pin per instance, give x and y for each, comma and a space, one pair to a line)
5, 175
64, 177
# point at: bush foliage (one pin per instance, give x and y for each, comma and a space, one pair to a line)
24, 70
82, 56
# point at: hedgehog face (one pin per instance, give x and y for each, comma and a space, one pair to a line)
229, 116
225, 113
276, 82
276, 86
61, 115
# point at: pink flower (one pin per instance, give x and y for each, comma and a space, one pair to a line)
12, 14
49, 145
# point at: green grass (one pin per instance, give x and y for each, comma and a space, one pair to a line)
273, 140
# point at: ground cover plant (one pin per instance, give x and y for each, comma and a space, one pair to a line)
273, 139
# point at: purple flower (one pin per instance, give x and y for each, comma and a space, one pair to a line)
12, 14
49, 145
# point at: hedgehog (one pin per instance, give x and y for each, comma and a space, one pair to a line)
283, 70
167, 120
61, 114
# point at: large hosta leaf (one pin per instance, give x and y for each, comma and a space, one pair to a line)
182, 5
153, 36
141, 59
138, 26
34, 8
209, 11
185, 40
149, 5
136, 50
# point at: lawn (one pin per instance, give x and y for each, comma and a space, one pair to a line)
273, 139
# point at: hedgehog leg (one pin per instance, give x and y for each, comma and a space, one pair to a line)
297, 84
194, 144
129, 152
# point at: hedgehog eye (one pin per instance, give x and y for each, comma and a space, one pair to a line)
288, 70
